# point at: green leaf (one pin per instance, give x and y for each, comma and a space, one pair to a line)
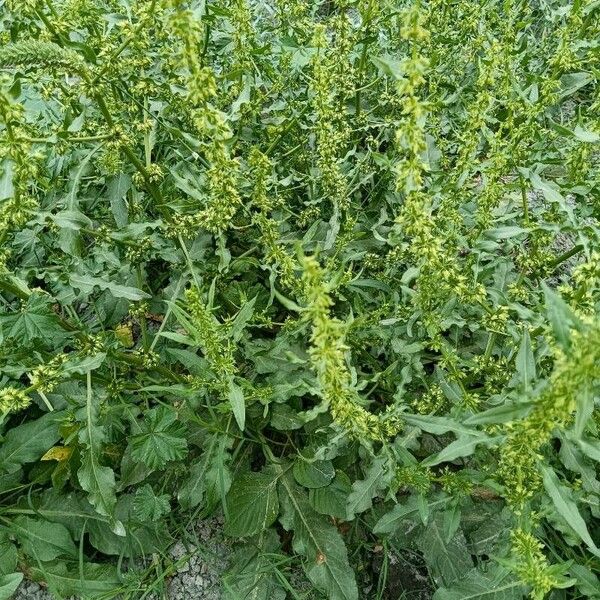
42, 539
242, 319
566, 507
29, 442
253, 504
315, 474
87, 581
161, 439
525, 361
463, 446
447, 561
331, 499
117, 188
590, 448
147, 506
379, 474
209, 478
495, 584
252, 575
571, 82
87, 283
320, 543
238, 405
388, 66
390, 522
71, 219
500, 414
9, 584
8, 554
36, 321
560, 315
587, 582
97, 480
438, 425
585, 135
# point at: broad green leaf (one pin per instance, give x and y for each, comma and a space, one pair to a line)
571, 82
495, 584
447, 561
331, 499
8, 554
86, 284
438, 425
574, 459
525, 361
209, 477
388, 66
560, 315
90, 581
585, 409
9, 584
241, 319
500, 414
253, 504
29, 442
378, 477
43, 539
463, 446
590, 448
6, 179
97, 480
315, 474
252, 575
319, 542
587, 582
238, 404
117, 188
72, 219
566, 507
161, 438
36, 321
390, 522
147, 506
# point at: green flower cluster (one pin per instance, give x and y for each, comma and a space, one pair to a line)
13, 400
263, 200
328, 356
217, 348
531, 565
331, 131
222, 174
575, 372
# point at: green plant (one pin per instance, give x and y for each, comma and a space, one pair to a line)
328, 268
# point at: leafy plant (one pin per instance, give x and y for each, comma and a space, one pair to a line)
330, 269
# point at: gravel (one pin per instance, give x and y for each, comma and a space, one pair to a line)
200, 576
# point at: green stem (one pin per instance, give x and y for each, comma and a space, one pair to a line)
563, 257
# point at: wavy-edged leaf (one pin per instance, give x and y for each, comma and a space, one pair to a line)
161, 438
320, 543
43, 539
463, 446
566, 507
379, 475
9, 584
496, 584
252, 503
29, 442
315, 474
252, 575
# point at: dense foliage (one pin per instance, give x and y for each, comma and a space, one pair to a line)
330, 269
